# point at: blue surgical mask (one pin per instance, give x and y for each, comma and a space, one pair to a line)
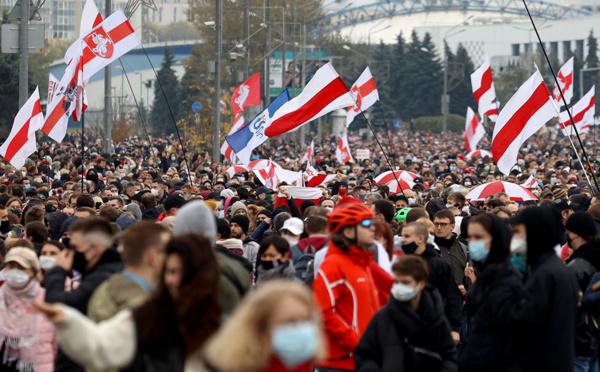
452, 168
553, 179
412, 200
295, 344
329, 209
477, 251
27, 187
518, 260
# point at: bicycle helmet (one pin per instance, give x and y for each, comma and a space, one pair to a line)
350, 214
402, 213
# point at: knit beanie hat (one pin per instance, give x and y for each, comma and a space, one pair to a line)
266, 212
242, 221
237, 206
581, 223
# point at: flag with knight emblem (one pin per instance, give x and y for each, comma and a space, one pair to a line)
342, 152
104, 44
364, 93
246, 94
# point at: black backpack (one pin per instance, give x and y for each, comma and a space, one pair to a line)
302, 261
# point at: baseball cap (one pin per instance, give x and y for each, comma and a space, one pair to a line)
25, 257
293, 225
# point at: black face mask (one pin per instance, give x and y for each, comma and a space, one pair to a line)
66, 241
410, 248
50, 208
79, 262
4, 226
268, 265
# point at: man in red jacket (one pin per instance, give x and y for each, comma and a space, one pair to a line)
344, 288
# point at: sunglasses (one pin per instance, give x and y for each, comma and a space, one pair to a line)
366, 223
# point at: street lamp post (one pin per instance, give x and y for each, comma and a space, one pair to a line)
217, 94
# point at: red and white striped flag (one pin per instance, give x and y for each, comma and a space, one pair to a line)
324, 93
310, 153
21, 140
320, 179
364, 92
67, 100
300, 194
226, 150
52, 85
104, 44
530, 182
474, 130
583, 113
271, 178
565, 81
482, 83
342, 152
526, 112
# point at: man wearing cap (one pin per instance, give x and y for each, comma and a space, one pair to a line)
291, 230
584, 263
239, 225
172, 205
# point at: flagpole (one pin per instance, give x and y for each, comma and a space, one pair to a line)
561, 94
187, 166
82, 153
562, 124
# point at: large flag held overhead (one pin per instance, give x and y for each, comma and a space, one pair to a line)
300, 194
365, 94
583, 113
246, 94
342, 152
253, 135
226, 150
324, 93
565, 81
310, 153
526, 112
104, 44
474, 131
482, 83
67, 100
52, 85
90, 18
21, 140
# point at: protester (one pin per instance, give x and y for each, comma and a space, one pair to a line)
410, 333
276, 328
167, 332
274, 260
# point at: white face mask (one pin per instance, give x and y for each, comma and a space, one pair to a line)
518, 245
430, 239
403, 292
154, 192
16, 278
290, 239
412, 200
47, 263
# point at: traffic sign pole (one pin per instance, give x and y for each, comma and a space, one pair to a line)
23, 52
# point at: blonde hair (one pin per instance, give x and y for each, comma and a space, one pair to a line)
252, 213
428, 224
239, 346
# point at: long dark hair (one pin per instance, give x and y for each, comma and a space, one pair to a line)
196, 314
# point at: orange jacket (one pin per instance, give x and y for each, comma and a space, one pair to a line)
347, 296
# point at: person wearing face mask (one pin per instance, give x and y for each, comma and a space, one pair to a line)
275, 329
90, 254
164, 334
274, 260
28, 341
488, 344
410, 333
48, 253
540, 314
292, 230
414, 241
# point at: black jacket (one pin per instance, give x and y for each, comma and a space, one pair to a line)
78, 298
392, 340
441, 277
489, 346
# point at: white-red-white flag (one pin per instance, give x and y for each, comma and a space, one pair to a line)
365, 94
21, 140
583, 113
67, 100
226, 150
320, 179
526, 112
246, 94
530, 182
90, 18
342, 152
482, 83
271, 178
310, 171
565, 81
474, 130
299, 194
52, 85
310, 153
324, 93
104, 44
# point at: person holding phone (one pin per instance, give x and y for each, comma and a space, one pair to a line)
30, 340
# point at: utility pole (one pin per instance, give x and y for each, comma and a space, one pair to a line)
217, 120
246, 39
107, 93
23, 52
268, 60
445, 96
303, 82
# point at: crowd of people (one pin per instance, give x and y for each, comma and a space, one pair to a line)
149, 258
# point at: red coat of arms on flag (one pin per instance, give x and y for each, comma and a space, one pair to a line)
100, 43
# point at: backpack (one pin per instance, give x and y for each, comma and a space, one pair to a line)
302, 261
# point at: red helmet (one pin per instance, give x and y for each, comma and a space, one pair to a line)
348, 215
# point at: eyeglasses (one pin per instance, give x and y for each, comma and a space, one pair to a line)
366, 223
441, 224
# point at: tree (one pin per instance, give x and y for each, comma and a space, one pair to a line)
397, 78
591, 61
461, 93
161, 119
